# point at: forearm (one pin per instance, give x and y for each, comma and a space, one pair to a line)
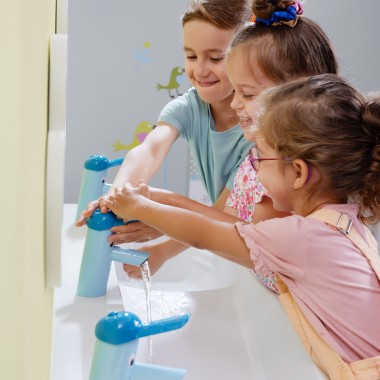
143, 161
139, 163
176, 200
195, 229
171, 248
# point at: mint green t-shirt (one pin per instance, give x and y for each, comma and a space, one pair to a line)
217, 155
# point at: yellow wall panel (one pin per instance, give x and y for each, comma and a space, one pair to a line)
26, 310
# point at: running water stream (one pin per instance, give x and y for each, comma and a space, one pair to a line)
145, 272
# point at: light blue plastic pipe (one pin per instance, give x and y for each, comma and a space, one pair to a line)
96, 264
116, 345
98, 255
93, 180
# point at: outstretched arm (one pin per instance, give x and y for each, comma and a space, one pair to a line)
173, 199
186, 226
143, 161
140, 232
163, 251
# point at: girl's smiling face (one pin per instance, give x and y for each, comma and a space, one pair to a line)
248, 82
205, 49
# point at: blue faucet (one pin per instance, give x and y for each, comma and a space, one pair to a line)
116, 345
93, 180
98, 255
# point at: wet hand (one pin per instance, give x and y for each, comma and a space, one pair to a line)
86, 213
134, 232
124, 199
156, 260
89, 210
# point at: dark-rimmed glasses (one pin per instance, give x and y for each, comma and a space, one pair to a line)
255, 160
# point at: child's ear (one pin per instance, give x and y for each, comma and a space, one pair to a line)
302, 175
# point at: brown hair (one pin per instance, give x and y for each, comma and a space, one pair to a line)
330, 125
282, 52
224, 14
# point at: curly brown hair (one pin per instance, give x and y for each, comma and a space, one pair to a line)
324, 121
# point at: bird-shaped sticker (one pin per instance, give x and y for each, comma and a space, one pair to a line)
175, 80
142, 56
139, 136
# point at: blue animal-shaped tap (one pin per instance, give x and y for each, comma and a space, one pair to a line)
116, 345
93, 181
98, 255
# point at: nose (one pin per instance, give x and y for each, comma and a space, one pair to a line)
236, 103
201, 69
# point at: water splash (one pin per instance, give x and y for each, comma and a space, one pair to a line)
146, 277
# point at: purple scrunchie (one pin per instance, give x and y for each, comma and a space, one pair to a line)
289, 14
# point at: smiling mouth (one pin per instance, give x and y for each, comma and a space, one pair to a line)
245, 122
206, 84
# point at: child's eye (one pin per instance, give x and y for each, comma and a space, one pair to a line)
219, 59
191, 57
248, 96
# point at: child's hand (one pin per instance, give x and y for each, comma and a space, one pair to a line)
89, 210
156, 259
124, 200
134, 232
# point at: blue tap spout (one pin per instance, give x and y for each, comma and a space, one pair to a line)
129, 256
163, 325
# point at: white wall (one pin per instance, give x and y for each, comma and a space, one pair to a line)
108, 96
117, 51
354, 29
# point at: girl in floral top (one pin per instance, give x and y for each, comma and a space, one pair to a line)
278, 47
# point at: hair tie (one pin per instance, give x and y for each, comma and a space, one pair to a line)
287, 17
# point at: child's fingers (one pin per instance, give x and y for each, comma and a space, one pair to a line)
80, 221
89, 210
132, 271
141, 183
108, 203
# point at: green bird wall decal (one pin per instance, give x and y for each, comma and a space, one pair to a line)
173, 81
139, 136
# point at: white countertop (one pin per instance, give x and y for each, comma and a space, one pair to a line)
75, 317
238, 330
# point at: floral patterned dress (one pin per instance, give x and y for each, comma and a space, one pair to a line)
245, 194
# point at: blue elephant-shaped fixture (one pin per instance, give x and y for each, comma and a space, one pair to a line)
117, 336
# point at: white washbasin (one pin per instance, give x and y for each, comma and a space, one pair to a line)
192, 270
237, 328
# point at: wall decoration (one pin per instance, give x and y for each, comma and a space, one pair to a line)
175, 80
139, 136
141, 56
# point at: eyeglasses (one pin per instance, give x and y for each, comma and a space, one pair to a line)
255, 160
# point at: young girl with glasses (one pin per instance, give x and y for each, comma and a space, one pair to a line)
317, 152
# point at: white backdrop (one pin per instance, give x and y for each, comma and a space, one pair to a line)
118, 51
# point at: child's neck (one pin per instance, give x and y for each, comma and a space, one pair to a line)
314, 206
224, 116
